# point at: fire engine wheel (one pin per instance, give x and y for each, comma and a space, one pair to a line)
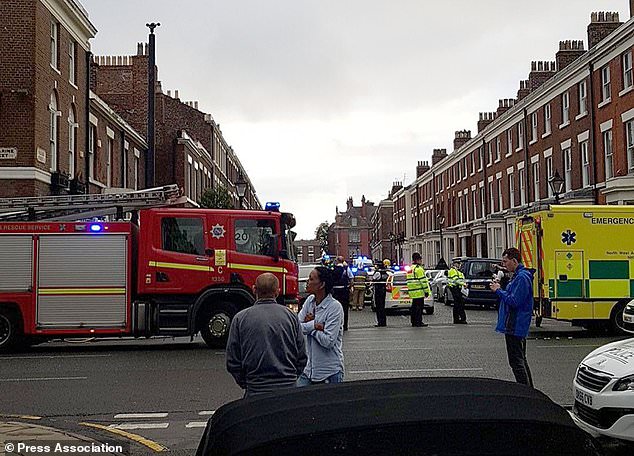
9, 331
215, 323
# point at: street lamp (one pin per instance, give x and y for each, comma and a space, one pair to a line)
556, 183
241, 189
440, 219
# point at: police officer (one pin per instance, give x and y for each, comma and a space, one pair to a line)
418, 289
456, 284
380, 281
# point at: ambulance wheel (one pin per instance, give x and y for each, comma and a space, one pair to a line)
538, 321
215, 323
616, 319
10, 333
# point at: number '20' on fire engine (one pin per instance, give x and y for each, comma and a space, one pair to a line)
178, 272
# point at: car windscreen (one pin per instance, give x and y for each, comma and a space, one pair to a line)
480, 269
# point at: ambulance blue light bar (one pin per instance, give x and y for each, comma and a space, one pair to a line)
96, 228
272, 206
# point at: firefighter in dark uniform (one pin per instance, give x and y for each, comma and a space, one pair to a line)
380, 281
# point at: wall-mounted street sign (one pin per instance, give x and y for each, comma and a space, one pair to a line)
8, 153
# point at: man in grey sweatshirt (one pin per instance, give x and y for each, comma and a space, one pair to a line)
266, 350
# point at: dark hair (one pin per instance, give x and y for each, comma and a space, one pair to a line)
512, 254
326, 276
416, 256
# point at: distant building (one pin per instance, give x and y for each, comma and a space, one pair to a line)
349, 235
381, 243
308, 251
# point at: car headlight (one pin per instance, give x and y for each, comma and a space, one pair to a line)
625, 384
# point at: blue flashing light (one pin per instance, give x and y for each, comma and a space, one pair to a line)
355, 270
95, 228
272, 206
366, 269
396, 268
365, 258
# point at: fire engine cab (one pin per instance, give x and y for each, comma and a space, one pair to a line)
172, 271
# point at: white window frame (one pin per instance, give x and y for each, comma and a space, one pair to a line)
509, 141
536, 192
482, 202
136, 168
92, 145
109, 146
628, 79
534, 126
491, 198
520, 135
72, 142
498, 148
567, 153
54, 132
548, 118
522, 185
54, 44
474, 201
511, 182
72, 70
585, 163
583, 98
473, 163
606, 86
549, 173
500, 194
629, 144
490, 153
608, 153
565, 108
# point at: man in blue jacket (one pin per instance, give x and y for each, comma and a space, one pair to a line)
515, 312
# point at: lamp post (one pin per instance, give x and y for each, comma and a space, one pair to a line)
441, 221
241, 189
556, 183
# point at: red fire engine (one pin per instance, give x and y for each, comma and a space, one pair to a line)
173, 271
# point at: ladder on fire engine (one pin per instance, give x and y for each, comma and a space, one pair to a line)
80, 207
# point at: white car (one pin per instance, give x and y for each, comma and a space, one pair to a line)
604, 391
628, 317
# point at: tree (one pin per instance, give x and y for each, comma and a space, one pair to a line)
321, 234
216, 198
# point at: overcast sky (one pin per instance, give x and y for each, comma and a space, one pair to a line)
326, 99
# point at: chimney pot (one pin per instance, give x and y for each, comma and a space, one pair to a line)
175, 93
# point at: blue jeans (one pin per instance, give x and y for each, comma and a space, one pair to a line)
334, 378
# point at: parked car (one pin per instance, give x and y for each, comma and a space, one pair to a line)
302, 278
397, 295
437, 284
478, 274
603, 391
628, 317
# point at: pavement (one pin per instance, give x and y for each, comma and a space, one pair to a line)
14, 434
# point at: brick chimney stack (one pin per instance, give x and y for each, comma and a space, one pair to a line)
349, 204
524, 90
503, 106
540, 73
569, 51
438, 155
396, 186
601, 25
485, 119
461, 138
422, 168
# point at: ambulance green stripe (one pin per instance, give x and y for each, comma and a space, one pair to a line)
632, 288
570, 289
609, 269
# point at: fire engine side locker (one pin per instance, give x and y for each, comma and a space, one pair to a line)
76, 291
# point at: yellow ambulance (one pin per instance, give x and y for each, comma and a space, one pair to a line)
583, 258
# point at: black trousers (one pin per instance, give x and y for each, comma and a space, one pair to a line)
379, 304
458, 305
516, 351
416, 311
343, 296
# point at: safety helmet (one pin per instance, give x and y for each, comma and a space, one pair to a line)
386, 263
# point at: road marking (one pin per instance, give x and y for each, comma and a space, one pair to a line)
566, 346
41, 379
399, 371
132, 426
386, 349
157, 447
125, 416
196, 424
24, 417
54, 357
207, 412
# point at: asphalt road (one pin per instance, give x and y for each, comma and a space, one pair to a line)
166, 389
